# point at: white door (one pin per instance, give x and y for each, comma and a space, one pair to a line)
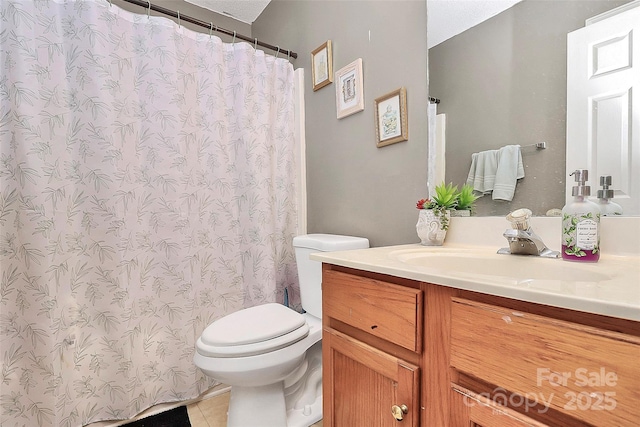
603, 104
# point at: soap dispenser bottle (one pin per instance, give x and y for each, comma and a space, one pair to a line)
581, 223
607, 207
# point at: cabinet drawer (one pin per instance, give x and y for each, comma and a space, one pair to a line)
590, 374
477, 410
385, 310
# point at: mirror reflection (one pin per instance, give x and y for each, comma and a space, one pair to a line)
504, 82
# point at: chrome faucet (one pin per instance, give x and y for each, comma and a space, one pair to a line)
522, 240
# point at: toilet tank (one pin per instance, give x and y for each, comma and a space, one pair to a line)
310, 272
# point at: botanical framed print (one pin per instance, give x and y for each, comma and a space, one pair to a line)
322, 66
349, 89
391, 120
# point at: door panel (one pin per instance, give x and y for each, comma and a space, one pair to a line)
603, 105
363, 383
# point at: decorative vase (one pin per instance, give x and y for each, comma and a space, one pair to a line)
429, 227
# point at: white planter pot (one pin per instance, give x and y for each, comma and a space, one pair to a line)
430, 229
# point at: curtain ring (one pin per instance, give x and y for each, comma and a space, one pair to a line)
278, 52
110, 3
149, 9
255, 44
179, 19
234, 38
210, 28
288, 55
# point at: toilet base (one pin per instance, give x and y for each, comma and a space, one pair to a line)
294, 402
306, 416
303, 398
265, 407
257, 406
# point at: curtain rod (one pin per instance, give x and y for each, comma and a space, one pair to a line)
209, 25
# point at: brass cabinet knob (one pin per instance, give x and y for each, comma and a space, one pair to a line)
399, 411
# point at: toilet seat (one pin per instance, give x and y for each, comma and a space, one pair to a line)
252, 331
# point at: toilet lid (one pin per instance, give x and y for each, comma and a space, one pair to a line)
253, 330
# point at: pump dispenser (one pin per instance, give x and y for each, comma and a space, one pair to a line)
581, 223
607, 207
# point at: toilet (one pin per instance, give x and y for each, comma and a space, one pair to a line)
271, 355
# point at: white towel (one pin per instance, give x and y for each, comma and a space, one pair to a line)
510, 169
482, 175
496, 171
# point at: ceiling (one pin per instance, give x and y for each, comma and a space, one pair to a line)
243, 10
446, 18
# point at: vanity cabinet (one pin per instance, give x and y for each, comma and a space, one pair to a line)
587, 373
372, 339
440, 356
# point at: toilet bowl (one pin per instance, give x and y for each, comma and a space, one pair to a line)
260, 382
271, 355
263, 362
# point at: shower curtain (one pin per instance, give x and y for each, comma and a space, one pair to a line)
432, 163
147, 188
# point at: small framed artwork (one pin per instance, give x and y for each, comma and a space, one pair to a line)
322, 66
349, 89
391, 118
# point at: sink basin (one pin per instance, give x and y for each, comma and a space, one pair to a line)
518, 268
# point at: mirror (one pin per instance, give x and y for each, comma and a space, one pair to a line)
503, 82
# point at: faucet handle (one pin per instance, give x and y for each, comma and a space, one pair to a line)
520, 219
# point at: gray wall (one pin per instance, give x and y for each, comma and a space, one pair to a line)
354, 187
504, 82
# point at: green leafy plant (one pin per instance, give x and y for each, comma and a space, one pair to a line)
466, 198
446, 198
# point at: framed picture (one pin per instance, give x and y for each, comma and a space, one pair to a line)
349, 89
391, 118
322, 66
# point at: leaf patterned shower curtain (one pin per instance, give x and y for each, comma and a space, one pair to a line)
147, 189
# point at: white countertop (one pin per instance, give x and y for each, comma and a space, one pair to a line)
609, 287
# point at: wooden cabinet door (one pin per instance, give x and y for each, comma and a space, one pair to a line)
585, 373
473, 410
361, 384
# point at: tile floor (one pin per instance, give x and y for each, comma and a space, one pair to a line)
212, 412
209, 412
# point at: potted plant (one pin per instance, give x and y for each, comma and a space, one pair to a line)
465, 201
433, 220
